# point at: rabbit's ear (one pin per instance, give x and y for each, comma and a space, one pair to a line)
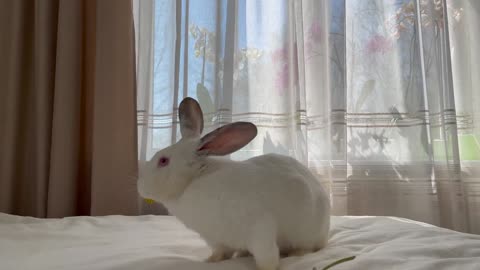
191, 118
227, 139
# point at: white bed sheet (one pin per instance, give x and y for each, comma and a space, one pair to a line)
161, 242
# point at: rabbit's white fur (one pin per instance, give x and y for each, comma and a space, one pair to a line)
262, 205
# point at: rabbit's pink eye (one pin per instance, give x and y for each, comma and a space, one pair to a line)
163, 161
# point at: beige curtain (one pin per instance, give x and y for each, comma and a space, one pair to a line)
67, 108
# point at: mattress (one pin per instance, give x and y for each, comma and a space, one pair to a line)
162, 242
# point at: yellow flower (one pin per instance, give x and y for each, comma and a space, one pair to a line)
149, 201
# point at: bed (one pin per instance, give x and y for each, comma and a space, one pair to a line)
162, 242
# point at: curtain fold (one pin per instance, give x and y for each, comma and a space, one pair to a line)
68, 112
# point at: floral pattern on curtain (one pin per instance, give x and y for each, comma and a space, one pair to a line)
377, 97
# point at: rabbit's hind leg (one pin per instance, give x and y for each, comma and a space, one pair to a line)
263, 245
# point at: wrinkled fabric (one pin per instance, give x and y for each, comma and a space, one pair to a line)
162, 242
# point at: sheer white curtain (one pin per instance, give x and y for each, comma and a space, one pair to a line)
381, 98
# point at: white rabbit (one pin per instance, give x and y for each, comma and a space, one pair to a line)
264, 205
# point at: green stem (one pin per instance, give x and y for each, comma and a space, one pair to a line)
338, 262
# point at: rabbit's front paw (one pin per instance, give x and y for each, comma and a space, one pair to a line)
242, 254
220, 254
